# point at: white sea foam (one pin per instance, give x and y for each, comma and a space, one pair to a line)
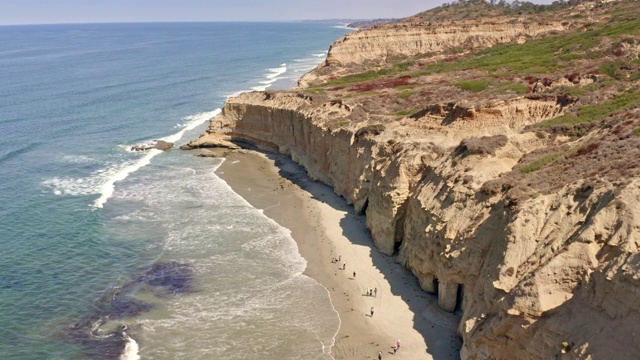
108, 187
275, 72
273, 76
285, 72
79, 159
103, 181
131, 349
192, 121
84, 186
249, 271
229, 96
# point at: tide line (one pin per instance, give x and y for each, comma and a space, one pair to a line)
108, 187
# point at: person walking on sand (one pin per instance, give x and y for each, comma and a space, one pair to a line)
398, 344
375, 292
379, 355
344, 266
395, 349
372, 311
354, 274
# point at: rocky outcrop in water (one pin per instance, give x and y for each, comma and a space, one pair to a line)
156, 144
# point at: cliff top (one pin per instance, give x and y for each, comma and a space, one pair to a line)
563, 72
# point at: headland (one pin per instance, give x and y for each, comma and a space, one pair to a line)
493, 150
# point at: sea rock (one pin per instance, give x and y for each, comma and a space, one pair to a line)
157, 144
211, 141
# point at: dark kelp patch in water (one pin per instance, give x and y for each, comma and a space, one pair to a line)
170, 277
105, 339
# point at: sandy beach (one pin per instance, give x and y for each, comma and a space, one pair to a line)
325, 227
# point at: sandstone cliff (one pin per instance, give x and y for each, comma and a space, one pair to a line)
515, 208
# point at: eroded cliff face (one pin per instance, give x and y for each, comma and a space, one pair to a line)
519, 272
407, 39
433, 40
541, 264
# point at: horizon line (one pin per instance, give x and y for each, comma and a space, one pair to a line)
344, 20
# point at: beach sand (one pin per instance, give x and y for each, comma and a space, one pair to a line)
323, 226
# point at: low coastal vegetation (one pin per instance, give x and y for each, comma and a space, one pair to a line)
473, 85
595, 112
592, 55
408, 112
590, 62
536, 165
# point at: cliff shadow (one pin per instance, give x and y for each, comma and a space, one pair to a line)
437, 327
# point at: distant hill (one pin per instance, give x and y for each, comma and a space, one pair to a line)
364, 24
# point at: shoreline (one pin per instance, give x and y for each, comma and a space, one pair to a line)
323, 226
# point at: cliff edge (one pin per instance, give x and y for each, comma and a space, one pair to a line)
496, 155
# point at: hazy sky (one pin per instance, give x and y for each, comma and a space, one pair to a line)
82, 11
87, 11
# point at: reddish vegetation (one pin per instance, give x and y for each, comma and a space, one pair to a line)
546, 81
537, 84
382, 84
573, 77
587, 149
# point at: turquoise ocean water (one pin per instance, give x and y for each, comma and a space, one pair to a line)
109, 253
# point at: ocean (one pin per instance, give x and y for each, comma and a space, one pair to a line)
109, 253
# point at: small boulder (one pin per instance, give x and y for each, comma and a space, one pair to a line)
158, 144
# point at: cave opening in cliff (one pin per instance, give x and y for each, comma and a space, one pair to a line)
396, 246
363, 211
459, 298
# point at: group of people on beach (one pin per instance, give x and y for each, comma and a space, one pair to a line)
369, 292
337, 259
394, 347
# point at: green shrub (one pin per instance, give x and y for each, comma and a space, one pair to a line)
595, 112
473, 85
405, 94
543, 161
403, 66
515, 87
636, 131
314, 91
614, 68
570, 57
538, 56
594, 54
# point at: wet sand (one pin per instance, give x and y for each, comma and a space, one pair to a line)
323, 226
